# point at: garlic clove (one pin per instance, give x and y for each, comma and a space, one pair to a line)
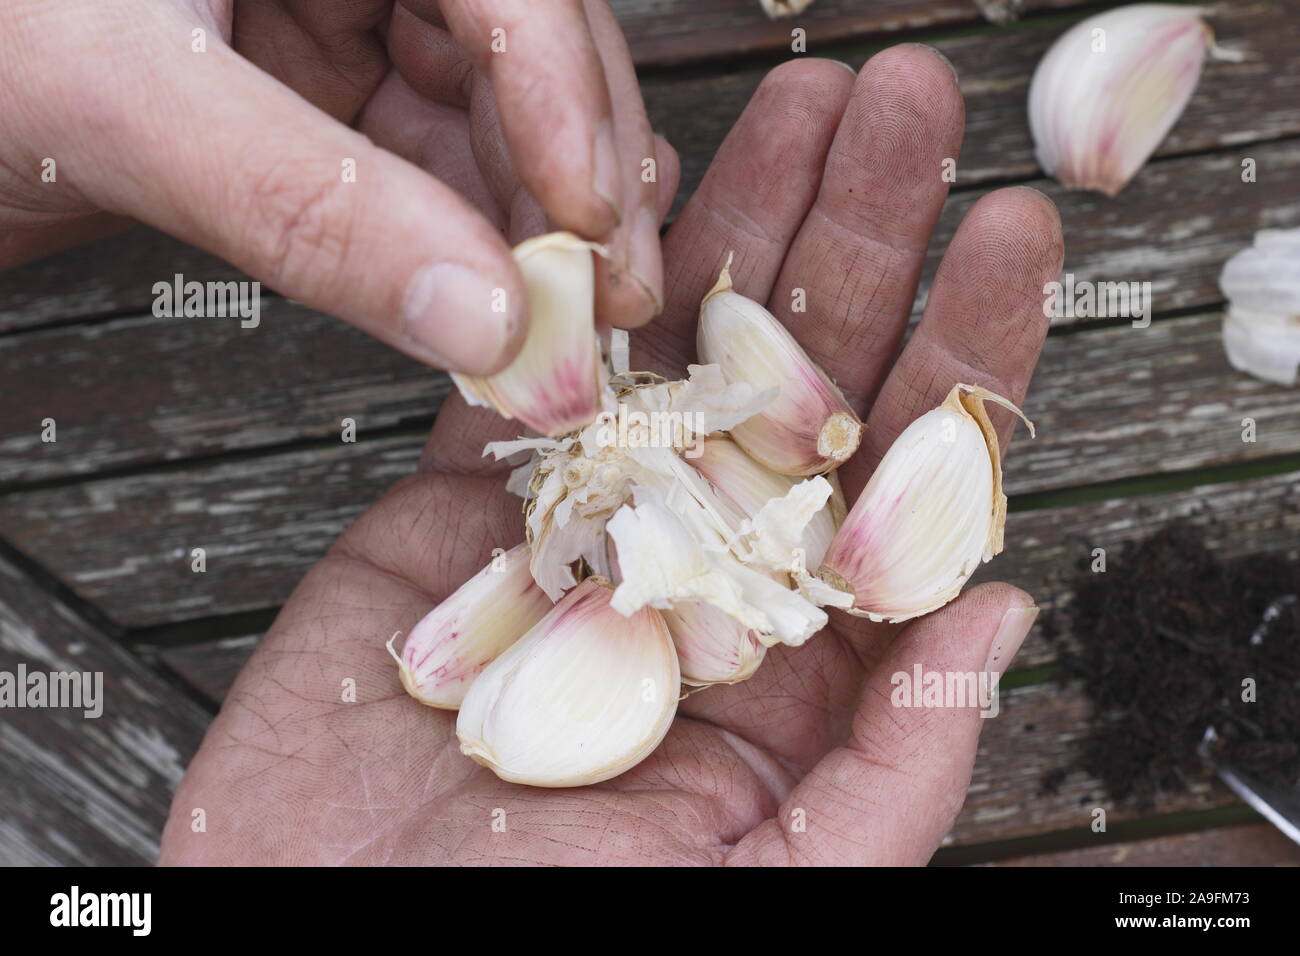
775, 9
712, 647
809, 427
1261, 328
752, 487
554, 384
583, 696
933, 510
455, 641
1110, 89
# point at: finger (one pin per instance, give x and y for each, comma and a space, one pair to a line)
455, 445
983, 321
552, 97
630, 281
858, 257
752, 200
389, 249
433, 136
889, 795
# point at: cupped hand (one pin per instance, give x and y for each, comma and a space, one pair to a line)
827, 184
228, 123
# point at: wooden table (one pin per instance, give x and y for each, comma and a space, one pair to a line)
175, 434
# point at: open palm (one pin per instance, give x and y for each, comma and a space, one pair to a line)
828, 185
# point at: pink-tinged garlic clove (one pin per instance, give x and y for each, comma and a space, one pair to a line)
585, 695
809, 428
931, 513
1110, 89
553, 386
453, 643
712, 646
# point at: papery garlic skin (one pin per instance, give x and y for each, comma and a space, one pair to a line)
931, 513
1261, 327
1097, 115
554, 384
809, 428
582, 697
712, 647
453, 643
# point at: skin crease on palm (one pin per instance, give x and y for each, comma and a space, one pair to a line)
827, 183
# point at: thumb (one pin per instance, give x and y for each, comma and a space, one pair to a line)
891, 792
227, 158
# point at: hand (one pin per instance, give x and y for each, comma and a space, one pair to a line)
825, 184
223, 122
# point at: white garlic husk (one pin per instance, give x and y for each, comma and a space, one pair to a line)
1261, 327
582, 697
453, 643
1110, 89
554, 384
809, 428
712, 646
931, 513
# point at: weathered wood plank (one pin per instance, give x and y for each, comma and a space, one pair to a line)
210, 667
106, 277
76, 790
261, 523
143, 390
671, 32
1234, 104
1256, 844
1038, 730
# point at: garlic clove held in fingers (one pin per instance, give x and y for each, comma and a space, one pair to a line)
455, 641
931, 513
583, 696
809, 428
1110, 89
554, 383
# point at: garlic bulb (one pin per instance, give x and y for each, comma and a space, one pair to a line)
554, 384
1261, 328
455, 641
1110, 89
712, 647
932, 511
583, 696
809, 428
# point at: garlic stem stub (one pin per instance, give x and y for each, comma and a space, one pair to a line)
455, 641
554, 384
1110, 89
583, 696
809, 428
931, 513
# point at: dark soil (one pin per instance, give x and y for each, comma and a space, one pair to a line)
1162, 641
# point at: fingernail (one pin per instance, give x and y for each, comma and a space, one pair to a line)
605, 180
448, 316
946, 62
1015, 627
645, 259
848, 66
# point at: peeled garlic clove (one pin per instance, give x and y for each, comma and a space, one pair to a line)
933, 510
583, 696
553, 385
1107, 92
712, 646
1261, 329
455, 641
809, 427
